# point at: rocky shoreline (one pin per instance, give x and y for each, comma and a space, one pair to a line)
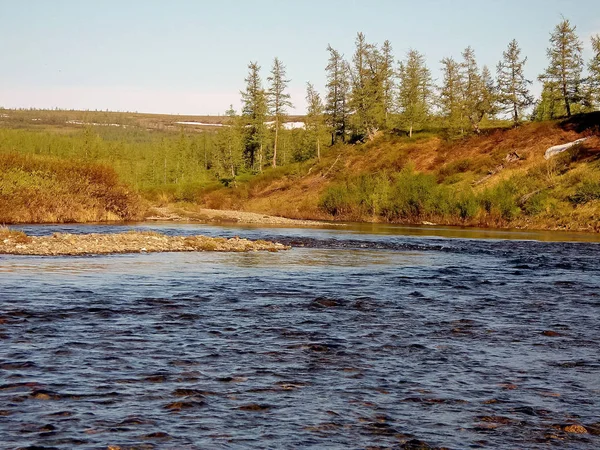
65, 244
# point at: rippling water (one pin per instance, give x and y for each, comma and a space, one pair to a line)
350, 340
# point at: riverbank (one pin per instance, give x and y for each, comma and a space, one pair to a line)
18, 243
194, 213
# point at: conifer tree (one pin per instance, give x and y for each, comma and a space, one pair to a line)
513, 90
415, 91
278, 100
565, 64
229, 147
370, 75
254, 112
338, 87
388, 76
594, 70
451, 96
549, 106
314, 117
478, 90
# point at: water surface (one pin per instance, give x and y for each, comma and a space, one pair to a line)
356, 338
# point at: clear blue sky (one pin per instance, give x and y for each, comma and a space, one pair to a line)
190, 56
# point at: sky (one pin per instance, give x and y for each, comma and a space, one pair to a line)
191, 56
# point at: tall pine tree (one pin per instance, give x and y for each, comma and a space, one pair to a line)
594, 70
513, 87
315, 121
254, 113
451, 96
338, 86
415, 91
565, 64
478, 98
278, 100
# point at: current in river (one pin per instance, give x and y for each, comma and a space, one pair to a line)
359, 337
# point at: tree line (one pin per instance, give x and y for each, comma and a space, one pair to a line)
371, 93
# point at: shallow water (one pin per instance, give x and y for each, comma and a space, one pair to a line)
353, 339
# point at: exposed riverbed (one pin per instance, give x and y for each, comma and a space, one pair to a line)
355, 338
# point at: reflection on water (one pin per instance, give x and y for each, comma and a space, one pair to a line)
349, 340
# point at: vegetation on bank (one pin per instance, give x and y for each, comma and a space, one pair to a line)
35, 189
497, 179
382, 143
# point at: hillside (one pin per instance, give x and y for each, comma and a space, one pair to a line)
497, 179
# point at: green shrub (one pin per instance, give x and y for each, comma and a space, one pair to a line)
586, 192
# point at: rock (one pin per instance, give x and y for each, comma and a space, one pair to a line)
576, 429
550, 333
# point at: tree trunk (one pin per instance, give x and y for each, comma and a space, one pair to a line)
260, 157
274, 164
410, 131
318, 149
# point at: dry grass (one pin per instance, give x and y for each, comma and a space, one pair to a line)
473, 172
37, 189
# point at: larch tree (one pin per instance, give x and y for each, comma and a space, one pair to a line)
315, 120
338, 86
229, 147
278, 100
513, 87
370, 75
451, 96
415, 91
388, 77
478, 90
594, 71
565, 64
254, 113
549, 106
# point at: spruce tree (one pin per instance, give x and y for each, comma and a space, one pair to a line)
594, 70
565, 64
388, 76
370, 79
451, 96
513, 87
415, 91
314, 117
278, 100
478, 90
229, 148
254, 113
338, 86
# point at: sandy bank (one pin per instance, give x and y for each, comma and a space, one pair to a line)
181, 214
17, 243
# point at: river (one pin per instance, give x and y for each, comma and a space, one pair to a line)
358, 337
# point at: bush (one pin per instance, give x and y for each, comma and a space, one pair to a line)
586, 192
501, 200
336, 201
41, 189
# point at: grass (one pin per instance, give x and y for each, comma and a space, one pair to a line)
496, 179
36, 189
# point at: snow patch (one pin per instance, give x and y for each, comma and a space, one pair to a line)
79, 122
201, 124
288, 125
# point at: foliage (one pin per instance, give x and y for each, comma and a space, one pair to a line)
415, 91
563, 74
513, 90
43, 189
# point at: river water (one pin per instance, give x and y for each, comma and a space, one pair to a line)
376, 337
